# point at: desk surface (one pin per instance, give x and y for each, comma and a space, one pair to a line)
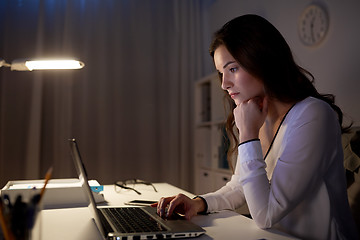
76, 223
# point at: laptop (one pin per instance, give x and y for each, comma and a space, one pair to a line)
120, 223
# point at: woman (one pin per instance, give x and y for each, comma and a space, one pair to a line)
289, 155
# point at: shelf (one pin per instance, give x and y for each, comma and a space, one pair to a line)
210, 142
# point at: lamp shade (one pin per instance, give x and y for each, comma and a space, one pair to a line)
30, 65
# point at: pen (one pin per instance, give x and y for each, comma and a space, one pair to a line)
31, 212
47, 178
3, 223
7, 203
18, 220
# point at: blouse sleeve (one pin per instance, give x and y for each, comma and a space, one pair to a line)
230, 196
306, 151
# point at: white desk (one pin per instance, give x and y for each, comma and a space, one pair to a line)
76, 223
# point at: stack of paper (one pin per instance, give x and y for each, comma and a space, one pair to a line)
59, 192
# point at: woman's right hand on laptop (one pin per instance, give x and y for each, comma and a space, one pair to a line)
180, 204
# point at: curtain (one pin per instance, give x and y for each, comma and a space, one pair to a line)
130, 108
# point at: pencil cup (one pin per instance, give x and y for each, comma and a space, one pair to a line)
21, 219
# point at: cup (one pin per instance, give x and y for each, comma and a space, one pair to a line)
21, 220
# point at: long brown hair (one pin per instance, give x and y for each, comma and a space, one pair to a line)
263, 52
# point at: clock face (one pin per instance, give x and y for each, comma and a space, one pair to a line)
313, 25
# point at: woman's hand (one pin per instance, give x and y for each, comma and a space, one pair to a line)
249, 116
179, 204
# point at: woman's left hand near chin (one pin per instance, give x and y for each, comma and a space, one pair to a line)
249, 116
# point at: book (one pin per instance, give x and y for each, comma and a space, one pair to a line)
59, 192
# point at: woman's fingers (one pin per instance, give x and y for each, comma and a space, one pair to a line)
250, 116
179, 200
179, 204
162, 205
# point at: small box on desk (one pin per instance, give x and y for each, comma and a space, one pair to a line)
59, 192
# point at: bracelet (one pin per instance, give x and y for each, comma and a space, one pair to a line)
251, 140
206, 205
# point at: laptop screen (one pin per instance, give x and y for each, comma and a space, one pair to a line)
80, 168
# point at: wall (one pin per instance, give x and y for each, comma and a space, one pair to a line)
334, 63
130, 107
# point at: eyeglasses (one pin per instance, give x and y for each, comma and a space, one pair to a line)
125, 185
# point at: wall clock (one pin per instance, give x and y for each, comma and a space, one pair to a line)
313, 25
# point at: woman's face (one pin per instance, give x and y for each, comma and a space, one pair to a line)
240, 85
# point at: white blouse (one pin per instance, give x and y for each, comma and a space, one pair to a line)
300, 187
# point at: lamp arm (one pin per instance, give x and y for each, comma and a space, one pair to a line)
3, 63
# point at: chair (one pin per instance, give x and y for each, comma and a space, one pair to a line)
351, 147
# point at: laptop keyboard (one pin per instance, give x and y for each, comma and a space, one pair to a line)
132, 220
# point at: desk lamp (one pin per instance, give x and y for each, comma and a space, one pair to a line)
29, 65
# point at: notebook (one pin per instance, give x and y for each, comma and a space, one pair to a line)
120, 223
